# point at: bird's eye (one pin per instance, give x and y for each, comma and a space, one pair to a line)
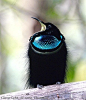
49, 26
46, 42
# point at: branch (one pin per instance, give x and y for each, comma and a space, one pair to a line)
67, 91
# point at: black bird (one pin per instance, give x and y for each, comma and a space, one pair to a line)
47, 55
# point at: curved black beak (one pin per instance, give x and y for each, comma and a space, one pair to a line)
43, 26
38, 20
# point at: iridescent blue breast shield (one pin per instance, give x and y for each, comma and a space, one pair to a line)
46, 42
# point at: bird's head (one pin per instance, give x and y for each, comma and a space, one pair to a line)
48, 38
46, 26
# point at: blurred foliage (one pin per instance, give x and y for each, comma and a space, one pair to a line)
8, 2
63, 13
70, 72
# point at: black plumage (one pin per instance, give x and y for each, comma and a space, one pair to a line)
47, 55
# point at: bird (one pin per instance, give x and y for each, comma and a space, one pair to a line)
47, 56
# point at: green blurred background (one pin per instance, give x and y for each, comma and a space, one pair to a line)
16, 27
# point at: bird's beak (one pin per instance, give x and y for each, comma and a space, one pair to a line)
43, 26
